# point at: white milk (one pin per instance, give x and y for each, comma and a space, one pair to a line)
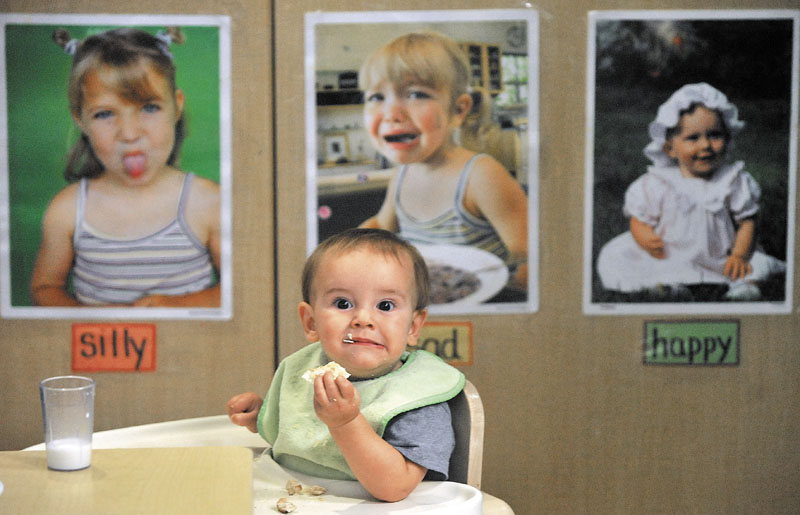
69, 454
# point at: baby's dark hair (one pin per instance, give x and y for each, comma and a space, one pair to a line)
385, 242
672, 131
124, 50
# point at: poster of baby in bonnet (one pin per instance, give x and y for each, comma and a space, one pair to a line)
691, 162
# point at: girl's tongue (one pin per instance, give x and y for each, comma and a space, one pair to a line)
134, 164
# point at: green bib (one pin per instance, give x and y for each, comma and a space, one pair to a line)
300, 441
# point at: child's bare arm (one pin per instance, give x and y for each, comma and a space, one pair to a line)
203, 213
243, 410
54, 259
492, 193
379, 467
738, 266
385, 217
209, 297
646, 237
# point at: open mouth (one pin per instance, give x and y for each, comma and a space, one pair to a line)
134, 163
707, 156
400, 138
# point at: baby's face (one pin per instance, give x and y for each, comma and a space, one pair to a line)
369, 298
700, 144
409, 123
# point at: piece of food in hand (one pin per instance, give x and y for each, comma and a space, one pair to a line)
336, 369
284, 506
293, 486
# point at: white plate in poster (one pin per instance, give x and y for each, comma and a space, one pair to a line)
489, 269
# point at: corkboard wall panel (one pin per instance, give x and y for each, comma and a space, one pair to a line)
200, 364
575, 422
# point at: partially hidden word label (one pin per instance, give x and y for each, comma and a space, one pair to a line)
451, 341
695, 342
113, 347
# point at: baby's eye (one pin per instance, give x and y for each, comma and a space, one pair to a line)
151, 107
342, 303
375, 97
418, 94
101, 115
386, 305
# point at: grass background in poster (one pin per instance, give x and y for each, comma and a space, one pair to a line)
41, 131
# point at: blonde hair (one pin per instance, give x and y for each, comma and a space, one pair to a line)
428, 58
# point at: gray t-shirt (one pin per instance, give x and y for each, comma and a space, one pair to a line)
425, 436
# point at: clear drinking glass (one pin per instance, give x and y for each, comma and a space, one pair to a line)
68, 417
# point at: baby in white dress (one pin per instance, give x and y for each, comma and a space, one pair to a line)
692, 215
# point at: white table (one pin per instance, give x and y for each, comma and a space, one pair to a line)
219, 431
131, 481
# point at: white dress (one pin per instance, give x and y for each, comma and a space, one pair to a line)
695, 218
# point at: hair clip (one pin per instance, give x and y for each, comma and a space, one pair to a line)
69, 44
165, 40
71, 47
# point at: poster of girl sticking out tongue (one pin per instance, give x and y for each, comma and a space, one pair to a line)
111, 205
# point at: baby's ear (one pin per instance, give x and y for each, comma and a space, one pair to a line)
179, 100
306, 313
667, 148
462, 106
76, 117
416, 326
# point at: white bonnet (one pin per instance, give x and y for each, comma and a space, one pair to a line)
669, 115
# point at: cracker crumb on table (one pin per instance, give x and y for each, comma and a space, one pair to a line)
284, 506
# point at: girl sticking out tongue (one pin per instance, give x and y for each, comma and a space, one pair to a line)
134, 164
131, 229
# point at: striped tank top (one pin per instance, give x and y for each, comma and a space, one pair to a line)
455, 226
171, 261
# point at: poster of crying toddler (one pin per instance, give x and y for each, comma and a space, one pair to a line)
425, 123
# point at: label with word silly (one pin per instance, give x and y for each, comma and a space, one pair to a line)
98, 347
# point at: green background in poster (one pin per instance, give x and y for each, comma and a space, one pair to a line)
708, 342
41, 131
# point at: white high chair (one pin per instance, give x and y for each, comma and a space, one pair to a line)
466, 461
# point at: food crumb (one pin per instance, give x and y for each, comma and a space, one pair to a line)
316, 490
284, 506
293, 486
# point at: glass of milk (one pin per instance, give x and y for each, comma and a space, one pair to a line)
68, 416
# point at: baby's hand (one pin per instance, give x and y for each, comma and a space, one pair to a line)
737, 267
336, 401
153, 301
243, 410
654, 246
